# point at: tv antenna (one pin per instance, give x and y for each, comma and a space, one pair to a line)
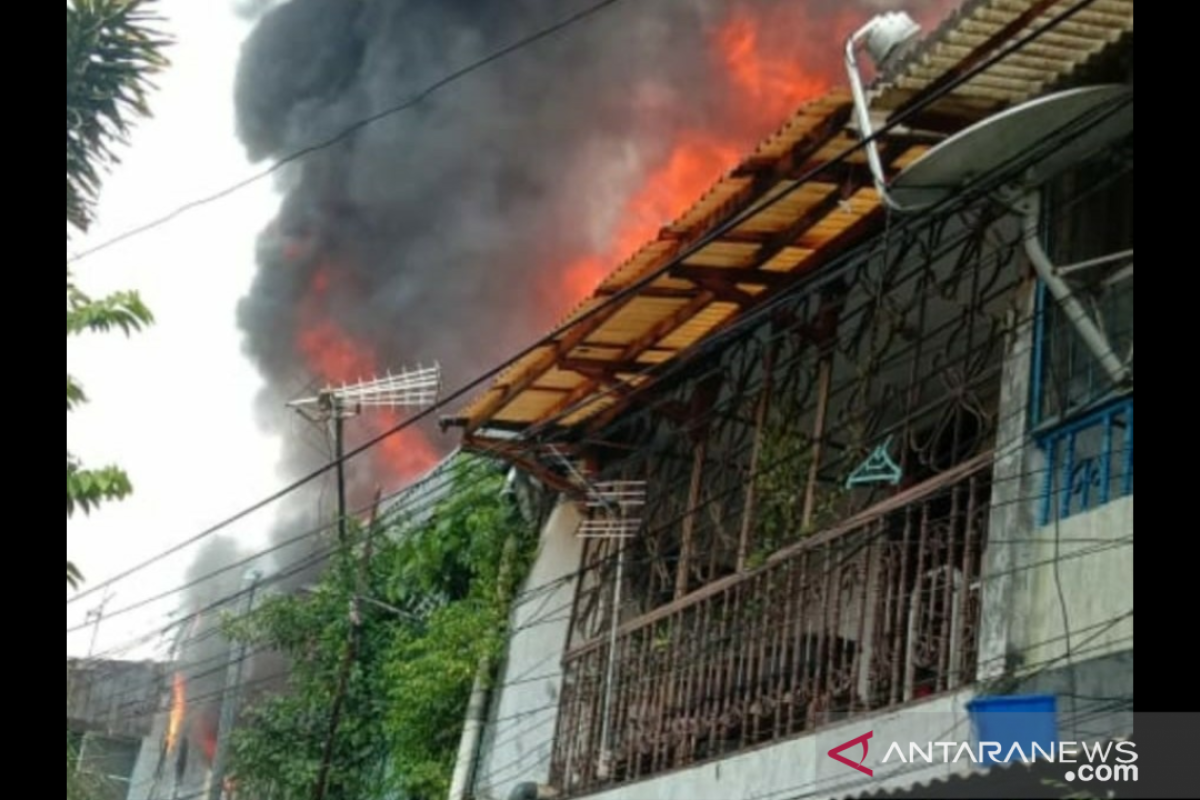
411, 388
614, 509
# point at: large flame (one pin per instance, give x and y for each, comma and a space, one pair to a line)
178, 712
767, 59
765, 75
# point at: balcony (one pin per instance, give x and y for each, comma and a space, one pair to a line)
879, 611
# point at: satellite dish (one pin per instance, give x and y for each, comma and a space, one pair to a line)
1005, 137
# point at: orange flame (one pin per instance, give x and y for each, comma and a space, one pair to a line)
178, 711
771, 76
766, 77
336, 357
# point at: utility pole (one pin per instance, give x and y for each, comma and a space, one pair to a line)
231, 696
415, 388
339, 699
335, 407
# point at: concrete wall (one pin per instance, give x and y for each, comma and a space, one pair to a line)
1089, 554
802, 766
520, 730
1022, 648
1094, 556
1011, 519
117, 698
1095, 695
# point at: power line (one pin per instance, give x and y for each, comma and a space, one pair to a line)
1020, 441
1100, 545
854, 783
614, 299
426, 496
520, 628
346, 133
541, 617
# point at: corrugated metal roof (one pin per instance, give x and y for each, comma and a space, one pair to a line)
606, 346
981, 29
711, 287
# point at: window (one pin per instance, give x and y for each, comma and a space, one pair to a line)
1081, 419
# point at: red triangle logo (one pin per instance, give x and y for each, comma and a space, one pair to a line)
836, 753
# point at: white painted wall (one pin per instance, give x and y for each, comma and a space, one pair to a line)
1095, 568
520, 731
802, 766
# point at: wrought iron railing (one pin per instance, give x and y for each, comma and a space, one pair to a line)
1089, 461
874, 613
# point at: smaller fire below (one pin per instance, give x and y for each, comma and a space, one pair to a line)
178, 713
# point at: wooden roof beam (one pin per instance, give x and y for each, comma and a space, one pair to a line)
571, 339
750, 277
592, 367
774, 244
647, 340
519, 456
766, 171
725, 288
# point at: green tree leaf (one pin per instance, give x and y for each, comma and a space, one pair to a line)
113, 50
408, 692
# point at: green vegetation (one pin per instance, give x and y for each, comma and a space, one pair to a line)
113, 50
779, 486
454, 577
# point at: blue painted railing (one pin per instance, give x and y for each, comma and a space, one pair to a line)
1089, 461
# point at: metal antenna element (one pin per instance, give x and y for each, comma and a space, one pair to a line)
611, 503
412, 388
415, 388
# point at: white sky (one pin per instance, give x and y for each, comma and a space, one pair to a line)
173, 405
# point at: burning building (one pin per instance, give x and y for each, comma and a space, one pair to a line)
825, 401
462, 226
132, 730
457, 229
882, 461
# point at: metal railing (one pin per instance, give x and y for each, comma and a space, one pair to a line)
1089, 461
874, 613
